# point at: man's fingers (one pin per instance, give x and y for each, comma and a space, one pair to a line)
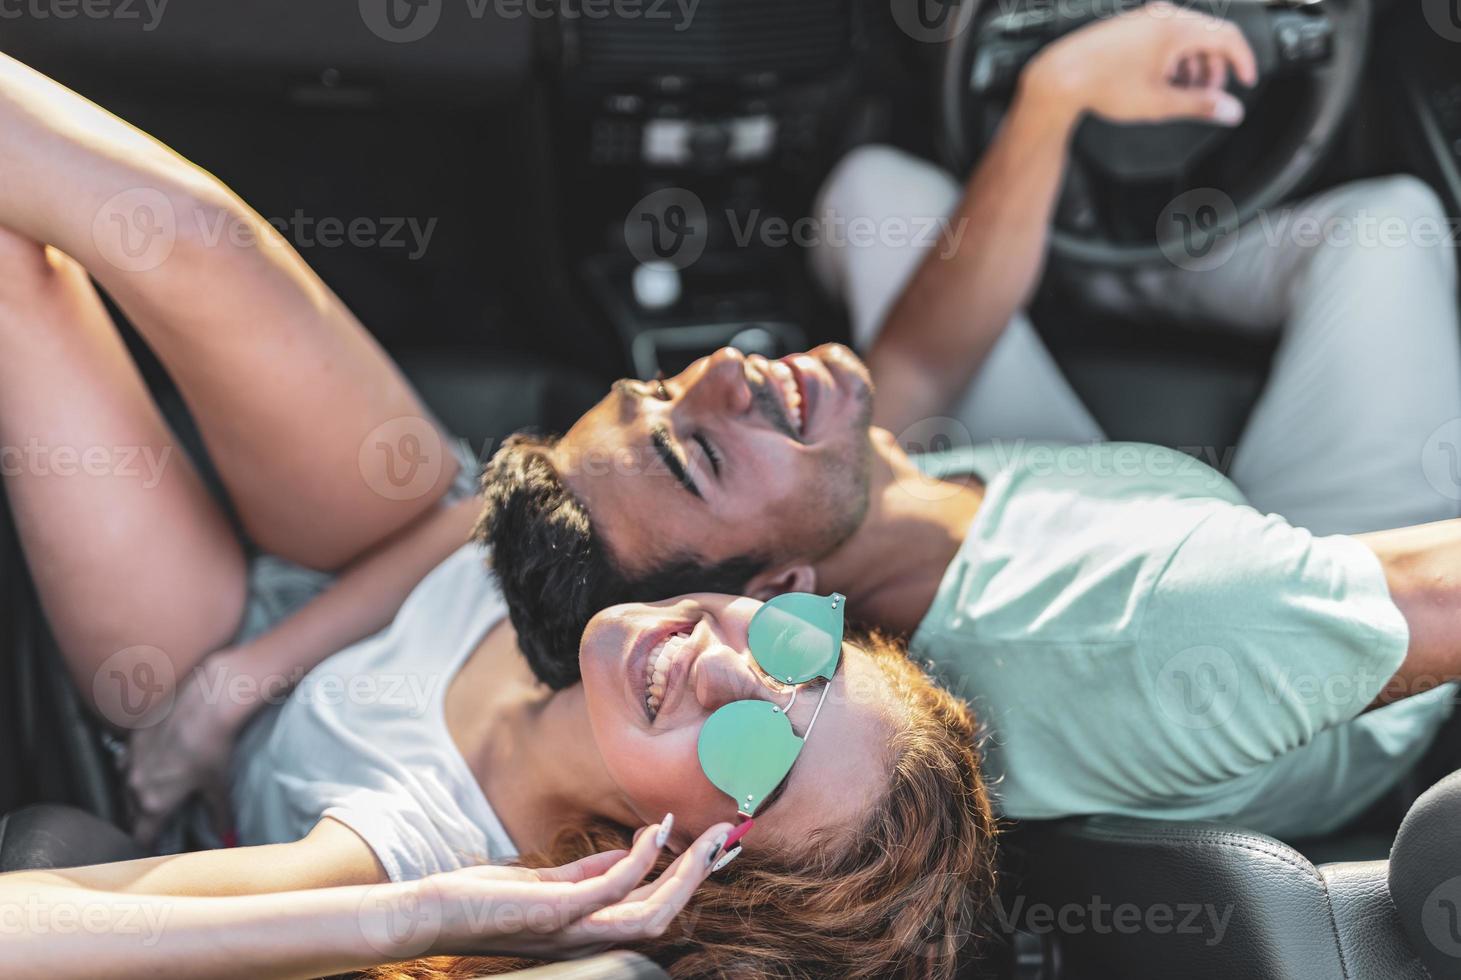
1223, 42
1211, 104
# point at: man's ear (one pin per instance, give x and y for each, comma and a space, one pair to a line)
775, 581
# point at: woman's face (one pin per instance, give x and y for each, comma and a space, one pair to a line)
647, 733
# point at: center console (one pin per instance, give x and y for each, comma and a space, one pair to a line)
691, 138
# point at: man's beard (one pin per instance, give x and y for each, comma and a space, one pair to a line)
848, 474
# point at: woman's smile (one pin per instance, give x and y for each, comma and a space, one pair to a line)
648, 657
661, 660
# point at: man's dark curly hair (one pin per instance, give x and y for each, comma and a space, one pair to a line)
556, 571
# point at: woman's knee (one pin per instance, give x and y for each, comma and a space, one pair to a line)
41, 283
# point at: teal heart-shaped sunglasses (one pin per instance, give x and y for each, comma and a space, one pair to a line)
748, 747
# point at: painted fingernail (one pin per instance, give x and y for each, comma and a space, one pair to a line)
739, 832
665, 826
714, 854
727, 858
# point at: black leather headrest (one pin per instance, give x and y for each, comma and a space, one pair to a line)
1425, 877
51, 836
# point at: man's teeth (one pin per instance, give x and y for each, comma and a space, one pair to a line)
787, 379
657, 668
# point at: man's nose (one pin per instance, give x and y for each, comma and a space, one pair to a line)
720, 385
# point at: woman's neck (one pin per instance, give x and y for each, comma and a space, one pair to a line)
530, 748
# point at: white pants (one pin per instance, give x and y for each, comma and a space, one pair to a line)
1359, 427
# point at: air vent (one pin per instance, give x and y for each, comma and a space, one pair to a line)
712, 40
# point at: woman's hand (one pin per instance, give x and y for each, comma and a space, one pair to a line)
189, 750
553, 913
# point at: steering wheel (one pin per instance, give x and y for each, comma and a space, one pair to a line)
1137, 193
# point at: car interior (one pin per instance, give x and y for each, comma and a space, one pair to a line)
497, 157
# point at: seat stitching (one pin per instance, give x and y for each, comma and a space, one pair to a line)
1230, 840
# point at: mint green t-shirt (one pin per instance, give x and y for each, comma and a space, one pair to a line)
1138, 640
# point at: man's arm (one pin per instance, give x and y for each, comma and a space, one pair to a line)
1422, 567
957, 304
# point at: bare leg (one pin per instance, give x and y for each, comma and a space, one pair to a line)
323, 446
136, 567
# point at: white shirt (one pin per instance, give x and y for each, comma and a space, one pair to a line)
363, 738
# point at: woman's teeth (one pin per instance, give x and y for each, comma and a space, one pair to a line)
657, 668
785, 377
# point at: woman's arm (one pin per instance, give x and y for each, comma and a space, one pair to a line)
277, 910
329, 855
190, 748
206, 915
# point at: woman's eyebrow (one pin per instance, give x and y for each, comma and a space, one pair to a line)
774, 795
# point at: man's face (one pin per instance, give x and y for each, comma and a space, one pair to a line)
734, 456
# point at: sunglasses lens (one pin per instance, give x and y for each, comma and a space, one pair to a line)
798, 636
746, 750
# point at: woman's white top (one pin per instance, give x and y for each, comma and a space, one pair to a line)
363, 738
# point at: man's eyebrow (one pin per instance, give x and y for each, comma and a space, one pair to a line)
664, 446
